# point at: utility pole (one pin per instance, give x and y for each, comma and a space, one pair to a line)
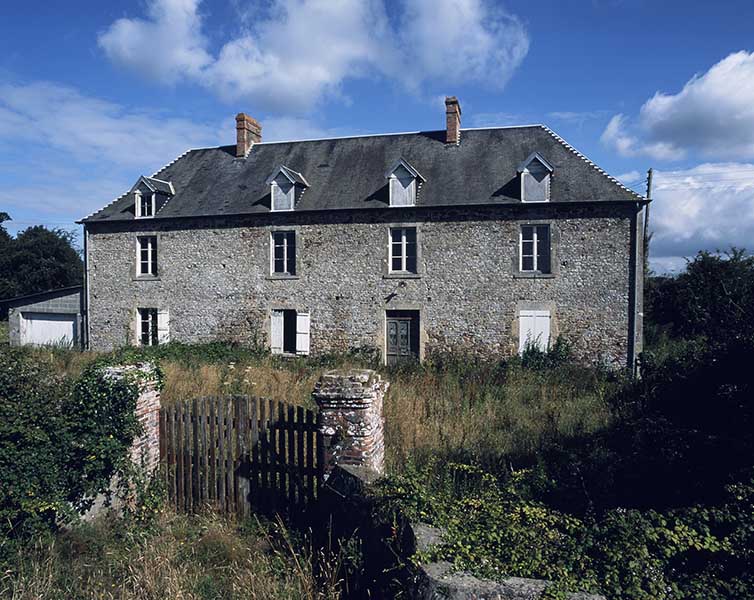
650, 172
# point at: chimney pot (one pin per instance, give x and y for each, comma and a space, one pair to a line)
248, 133
452, 120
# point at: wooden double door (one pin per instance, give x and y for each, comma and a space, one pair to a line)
402, 336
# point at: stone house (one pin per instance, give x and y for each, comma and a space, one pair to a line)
480, 240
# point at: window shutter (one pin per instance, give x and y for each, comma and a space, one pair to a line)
276, 331
534, 328
163, 327
302, 333
525, 329
137, 327
542, 330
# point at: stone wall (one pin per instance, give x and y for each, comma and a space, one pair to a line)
214, 278
350, 418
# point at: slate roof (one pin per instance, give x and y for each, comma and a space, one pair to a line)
349, 173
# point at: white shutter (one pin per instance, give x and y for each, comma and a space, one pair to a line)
276, 332
302, 333
163, 327
137, 327
534, 328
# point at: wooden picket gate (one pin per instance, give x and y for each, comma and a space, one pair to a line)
236, 453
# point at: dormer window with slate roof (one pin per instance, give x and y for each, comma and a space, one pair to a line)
403, 181
150, 195
286, 187
535, 174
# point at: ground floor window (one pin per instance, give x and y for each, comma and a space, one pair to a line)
534, 329
289, 332
401, 336
152, 326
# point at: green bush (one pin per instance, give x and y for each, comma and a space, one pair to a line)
498, 530
61, 441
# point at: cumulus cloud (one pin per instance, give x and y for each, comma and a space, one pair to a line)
299, 51
710, 206
64, 153
712, 116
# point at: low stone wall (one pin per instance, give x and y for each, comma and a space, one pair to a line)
350, 418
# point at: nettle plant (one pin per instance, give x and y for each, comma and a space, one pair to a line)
61, 441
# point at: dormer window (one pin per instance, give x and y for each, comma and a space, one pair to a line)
403, 182
145, 204
150, 195
535, 174
286, 187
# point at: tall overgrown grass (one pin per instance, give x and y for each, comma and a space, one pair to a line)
198, 557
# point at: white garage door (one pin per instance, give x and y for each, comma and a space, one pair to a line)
48, 328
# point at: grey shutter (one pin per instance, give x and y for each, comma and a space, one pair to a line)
163, 327
302, 333
276, 332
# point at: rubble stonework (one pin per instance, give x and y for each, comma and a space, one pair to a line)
350, 418
145, 450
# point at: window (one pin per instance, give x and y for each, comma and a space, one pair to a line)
289, 332
534, 329
283, 191
152, 326
147, 260
403, 249
402, 188
535, 249
283, 252
535, 179
145, 204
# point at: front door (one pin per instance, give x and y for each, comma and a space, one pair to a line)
402, 329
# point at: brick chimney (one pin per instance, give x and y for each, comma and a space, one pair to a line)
452, 120
248, 133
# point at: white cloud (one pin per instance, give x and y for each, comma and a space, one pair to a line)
299, 51
91, 129
710, 206
168, 45
713, 115
630, 177
278, 129
65, 154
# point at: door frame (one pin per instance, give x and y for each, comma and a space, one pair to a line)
382, 334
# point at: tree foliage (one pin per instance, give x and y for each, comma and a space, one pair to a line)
36, 260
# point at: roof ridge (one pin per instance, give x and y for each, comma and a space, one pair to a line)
591, 163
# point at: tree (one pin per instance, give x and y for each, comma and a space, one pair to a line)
36, 260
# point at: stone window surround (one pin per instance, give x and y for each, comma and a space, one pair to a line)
386, 272
299, 249
534, 305
135, 276
554, 252
382, 329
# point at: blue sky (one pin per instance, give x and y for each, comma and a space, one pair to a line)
93, 94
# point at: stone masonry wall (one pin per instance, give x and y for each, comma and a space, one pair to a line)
350, 418
214, 278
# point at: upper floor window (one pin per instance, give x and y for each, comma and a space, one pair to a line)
534, 249
403, 181
286, 185
145, 204
147, 260
403, 250
283, 252
152, 326
535, 173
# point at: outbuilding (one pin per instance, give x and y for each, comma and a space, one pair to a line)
53, 317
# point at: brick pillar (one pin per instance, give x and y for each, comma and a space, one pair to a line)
350, 418
147, 446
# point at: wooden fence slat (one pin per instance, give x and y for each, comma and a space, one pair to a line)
179, 454
229, 455
254, 458
309, 455
291, 462
271, 449
300, 465
221, 424
195, 498
238, 437
212, 450
282, 475
205, 450
245, 471
170, 451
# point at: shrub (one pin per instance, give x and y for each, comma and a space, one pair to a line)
60, 441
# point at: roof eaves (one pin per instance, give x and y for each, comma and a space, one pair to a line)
590, 163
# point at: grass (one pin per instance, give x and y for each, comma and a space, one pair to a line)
199, 557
